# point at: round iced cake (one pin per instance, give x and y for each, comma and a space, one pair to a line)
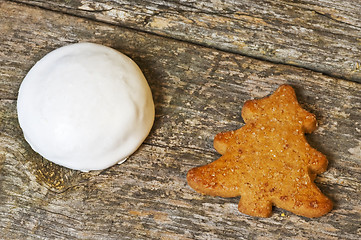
85, 106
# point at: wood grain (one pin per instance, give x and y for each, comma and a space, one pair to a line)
324, 36
198, 92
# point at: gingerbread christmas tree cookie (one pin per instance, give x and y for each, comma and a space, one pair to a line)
268, 161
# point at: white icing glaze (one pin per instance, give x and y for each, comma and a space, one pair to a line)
85, 106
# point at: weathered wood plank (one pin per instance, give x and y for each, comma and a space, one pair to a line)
198, 92
323, 36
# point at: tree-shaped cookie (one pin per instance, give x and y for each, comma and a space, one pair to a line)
268, 161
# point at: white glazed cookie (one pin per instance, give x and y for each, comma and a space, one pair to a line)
85, 106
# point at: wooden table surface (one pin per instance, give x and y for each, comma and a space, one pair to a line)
203, 60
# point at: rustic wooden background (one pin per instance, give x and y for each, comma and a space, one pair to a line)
203, 60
